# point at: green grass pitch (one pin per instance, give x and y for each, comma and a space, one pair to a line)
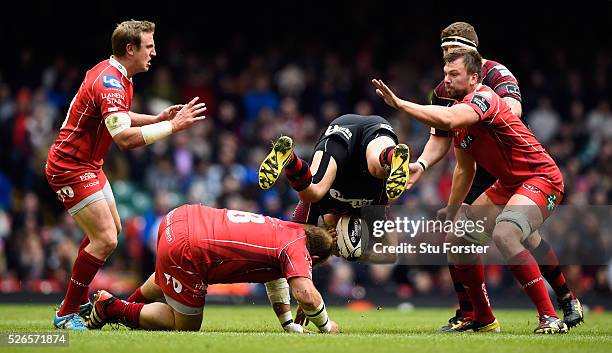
255, 329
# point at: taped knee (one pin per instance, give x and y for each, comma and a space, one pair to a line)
278, 291
518, 219
478, 235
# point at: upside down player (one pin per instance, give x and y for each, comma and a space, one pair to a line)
501, 80
98, 115
529, 184
199, 245
356, 162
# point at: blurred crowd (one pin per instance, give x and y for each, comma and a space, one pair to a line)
253, 96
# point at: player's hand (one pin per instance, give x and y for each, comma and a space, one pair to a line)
170, 112
334, 327
416, 171
385, 93
295, 328
189, 114
300, 317
447, 213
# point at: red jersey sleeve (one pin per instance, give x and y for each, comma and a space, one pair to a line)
484, 102
295, 260
110, 95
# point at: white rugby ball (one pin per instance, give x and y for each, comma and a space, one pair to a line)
350, 230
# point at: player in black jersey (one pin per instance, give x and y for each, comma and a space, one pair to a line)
356, 162
503, 82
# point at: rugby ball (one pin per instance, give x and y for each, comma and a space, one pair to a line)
350, 230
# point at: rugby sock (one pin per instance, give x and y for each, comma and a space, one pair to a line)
527, 272
127, 313
385, 157
84, 270
298, 173
138, 297
84, 243
473, 279
465, 305
301, 212
549, 266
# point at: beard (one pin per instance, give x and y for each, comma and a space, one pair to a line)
457, 94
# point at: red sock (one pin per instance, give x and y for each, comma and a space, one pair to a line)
301, 212
527, 272
84, 270
549, 266
138, 297
473, 280
465, 305
298, 173
386, 156
84, 243
127, 313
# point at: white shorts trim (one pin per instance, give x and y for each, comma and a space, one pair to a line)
182, 308
97, 196
108, 193
105, 193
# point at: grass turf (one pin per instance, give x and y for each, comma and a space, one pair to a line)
255, 329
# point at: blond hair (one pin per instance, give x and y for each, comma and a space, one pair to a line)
129, 32
318, 242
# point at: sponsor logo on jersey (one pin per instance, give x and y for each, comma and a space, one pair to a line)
467, 141
93, 183
531, 188
355, 203
168, 231
387, 127
114, 98
551, 201
512, 88
111, 82
481, 102
87, 176
336, 129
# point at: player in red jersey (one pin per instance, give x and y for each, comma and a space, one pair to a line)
529, 184
503, 82
98, 115
199, 245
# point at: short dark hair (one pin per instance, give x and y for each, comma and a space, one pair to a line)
460, 29
129, 32
471, 59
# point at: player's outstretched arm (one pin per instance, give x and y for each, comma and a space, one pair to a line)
444, 118
127, 137
169, 113
311, 302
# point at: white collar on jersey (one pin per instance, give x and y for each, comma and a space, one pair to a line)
118, 66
